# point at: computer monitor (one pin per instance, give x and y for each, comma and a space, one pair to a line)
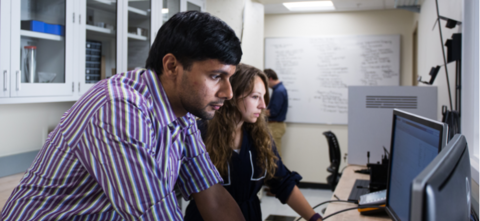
442, 190
415, 142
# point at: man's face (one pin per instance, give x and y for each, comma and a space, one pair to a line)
205, 87
271, 82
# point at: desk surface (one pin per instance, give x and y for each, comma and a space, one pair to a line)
342, 190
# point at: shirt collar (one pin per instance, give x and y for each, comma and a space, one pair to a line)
162, 104
276, 86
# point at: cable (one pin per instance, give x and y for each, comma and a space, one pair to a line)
336, 197
452, 119
344, 210
328, 201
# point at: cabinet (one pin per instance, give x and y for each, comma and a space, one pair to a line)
192, 5
98, 42
37, 38
4, 48
82, 42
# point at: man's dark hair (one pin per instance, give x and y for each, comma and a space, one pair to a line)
271, 74
194, 36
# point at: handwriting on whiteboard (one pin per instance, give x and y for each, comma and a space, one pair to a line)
317, 71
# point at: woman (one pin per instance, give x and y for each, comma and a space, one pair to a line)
240, 146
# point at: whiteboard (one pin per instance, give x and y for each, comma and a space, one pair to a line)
316, 71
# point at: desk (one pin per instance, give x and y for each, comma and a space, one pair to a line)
342, 190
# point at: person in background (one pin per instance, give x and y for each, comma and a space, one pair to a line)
240, 146
277, 109
120, 150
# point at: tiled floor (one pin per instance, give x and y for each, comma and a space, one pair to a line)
271, 205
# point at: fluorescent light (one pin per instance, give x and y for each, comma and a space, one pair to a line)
164, 10
309, 6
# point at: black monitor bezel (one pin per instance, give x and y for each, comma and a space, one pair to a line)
442, 127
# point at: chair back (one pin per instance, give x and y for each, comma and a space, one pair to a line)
335, 158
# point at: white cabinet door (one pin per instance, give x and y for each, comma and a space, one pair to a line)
138, 33
98, 47
42, 48
5, 48
80, 55
157, 13
170, 8
192, 5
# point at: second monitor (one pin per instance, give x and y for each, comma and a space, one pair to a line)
415, 142
442, 190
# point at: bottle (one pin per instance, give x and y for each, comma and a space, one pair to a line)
30, 53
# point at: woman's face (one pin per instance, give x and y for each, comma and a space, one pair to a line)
251, 106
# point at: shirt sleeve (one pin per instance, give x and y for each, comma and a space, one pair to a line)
276, 103
284, 180
118, 150
197, 172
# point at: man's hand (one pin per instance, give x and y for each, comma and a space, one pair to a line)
216, 203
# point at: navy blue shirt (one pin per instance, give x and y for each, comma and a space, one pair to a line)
245, 178
278, 103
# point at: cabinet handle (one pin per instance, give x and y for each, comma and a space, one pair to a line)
73, 86
5, 80
18, 79
74, 17
78, 86
80, 18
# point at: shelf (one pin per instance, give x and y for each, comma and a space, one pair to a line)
137, 37
111, 7
34, 34
99, 29
137, 11
107, 2
105, 5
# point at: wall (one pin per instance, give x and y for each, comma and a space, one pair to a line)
429, 46
246, 18
230, 11
252, 38
306, 149
24, 127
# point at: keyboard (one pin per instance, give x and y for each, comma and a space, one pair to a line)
357, 192
375, 198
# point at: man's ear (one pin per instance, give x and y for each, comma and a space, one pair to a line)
170, 65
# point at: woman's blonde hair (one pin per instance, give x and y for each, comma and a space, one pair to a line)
221, 129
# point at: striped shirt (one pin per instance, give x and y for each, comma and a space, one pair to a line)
115, 155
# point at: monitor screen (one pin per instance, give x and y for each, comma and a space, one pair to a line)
442, 190
415, 142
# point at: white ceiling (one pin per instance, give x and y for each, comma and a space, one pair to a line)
276, 6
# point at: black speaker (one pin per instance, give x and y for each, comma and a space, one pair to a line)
454, 48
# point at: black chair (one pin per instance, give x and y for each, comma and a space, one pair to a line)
334, 152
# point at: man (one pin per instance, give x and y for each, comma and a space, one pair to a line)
117, 153
277, 108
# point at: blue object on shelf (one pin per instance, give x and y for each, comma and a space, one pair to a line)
33, 25
54, 29
38, 26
